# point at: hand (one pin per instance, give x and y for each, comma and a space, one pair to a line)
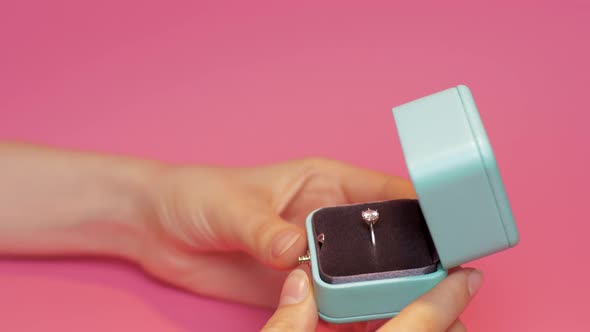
436, 311
227, 233
231, 233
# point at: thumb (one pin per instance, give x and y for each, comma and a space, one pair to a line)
297, 311
440, 308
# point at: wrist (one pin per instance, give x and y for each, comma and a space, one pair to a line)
67, 203
121, 228
116, 219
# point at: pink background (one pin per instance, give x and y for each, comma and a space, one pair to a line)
244, 84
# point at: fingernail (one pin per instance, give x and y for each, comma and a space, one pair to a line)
474, 281
295, 288
283, 242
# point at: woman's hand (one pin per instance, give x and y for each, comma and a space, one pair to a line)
436, 311
231, 233
224, 232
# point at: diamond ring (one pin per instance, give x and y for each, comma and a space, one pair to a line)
370, 217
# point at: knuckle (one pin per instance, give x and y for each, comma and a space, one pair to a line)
317, 162
317, 167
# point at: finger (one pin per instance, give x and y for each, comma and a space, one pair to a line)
297, 311
362, 185
457, 327
439, 308
359, 184
253, 227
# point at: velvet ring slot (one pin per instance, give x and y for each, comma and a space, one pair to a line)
404, 245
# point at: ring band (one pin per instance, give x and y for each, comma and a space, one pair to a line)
370, 217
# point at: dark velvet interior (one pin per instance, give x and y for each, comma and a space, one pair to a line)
403, 243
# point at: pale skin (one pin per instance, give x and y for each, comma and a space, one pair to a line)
228, 233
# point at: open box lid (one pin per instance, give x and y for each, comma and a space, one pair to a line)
454, 172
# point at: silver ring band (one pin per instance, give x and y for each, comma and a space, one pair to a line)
370, 217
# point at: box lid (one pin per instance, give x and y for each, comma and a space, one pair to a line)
454, 172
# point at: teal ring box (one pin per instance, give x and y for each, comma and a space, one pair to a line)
461, 200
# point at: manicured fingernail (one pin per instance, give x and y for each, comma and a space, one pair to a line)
295, 288
474, 281
283, 242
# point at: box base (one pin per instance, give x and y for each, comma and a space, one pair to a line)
357, 318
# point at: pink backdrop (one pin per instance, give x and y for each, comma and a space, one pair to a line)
244, 84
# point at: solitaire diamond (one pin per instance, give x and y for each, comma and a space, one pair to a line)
370, 216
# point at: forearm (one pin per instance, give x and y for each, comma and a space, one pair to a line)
55, 202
